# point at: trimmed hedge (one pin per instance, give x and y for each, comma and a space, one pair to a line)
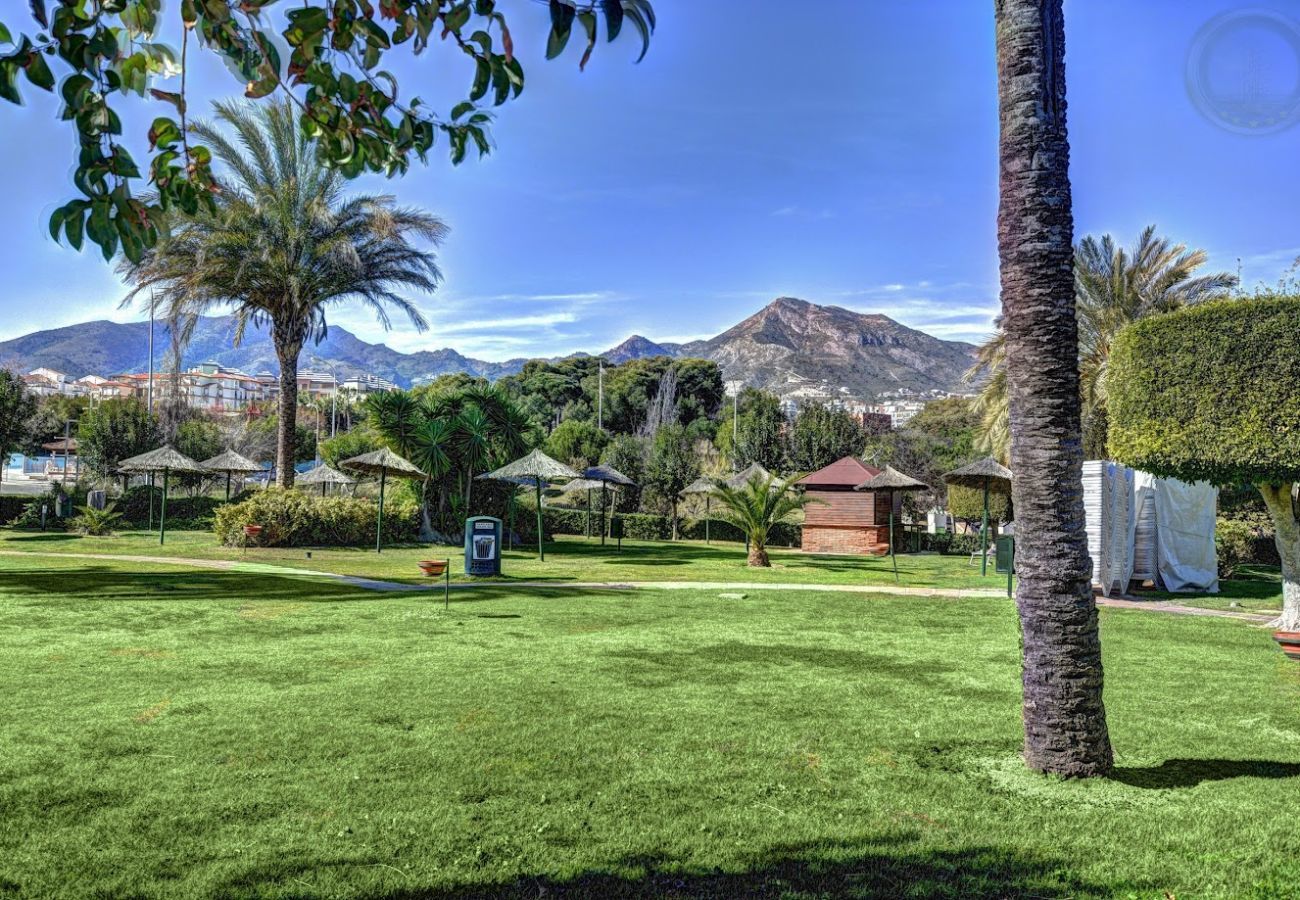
967, 504
1210, 392
298, 519
643, 527
183, 513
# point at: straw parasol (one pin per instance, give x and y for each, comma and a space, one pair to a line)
382, 462
750, 472
607, 476
324, 475
705, 486
168, 461
230, 463
537, 467
522, 481
891, 480
988, 475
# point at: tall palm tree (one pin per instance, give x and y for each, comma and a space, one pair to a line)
1113, 287
755, 507
284, 244
1064, 717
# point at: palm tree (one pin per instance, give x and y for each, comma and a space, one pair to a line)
755, 507
1113, 287
1064, 717
284, 243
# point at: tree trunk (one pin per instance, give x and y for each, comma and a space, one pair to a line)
1065, 720
758, 556
1278, 500
287, 350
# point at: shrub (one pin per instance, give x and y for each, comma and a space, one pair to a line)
298, 519
183, 513
95, 522
1244, 540
967, 504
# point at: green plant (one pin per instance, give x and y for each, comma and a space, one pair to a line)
1212, 392
967, 504
95, 522
755, 507
298, 519
347, 104
282, 244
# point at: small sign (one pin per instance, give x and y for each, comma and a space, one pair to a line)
483, 546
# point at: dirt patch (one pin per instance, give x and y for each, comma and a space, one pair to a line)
145, 716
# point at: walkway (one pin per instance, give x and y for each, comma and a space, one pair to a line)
372, 584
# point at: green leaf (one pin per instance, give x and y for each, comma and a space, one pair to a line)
9, 81
562, 15
643, 28
163, 132
372, 34
74, 227
5, 36
613, 10
38, 12
461, 108
481, 79
38, 72
588, 20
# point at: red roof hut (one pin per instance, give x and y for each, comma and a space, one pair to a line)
845, 521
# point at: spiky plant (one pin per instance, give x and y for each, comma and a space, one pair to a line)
1113, 287
756, 506
283, 245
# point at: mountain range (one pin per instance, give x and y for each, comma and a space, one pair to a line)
790, 347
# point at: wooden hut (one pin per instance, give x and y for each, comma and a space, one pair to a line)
845, 521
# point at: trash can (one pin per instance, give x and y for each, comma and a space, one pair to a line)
1005, 563
482, 546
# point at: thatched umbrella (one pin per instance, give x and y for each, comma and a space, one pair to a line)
230, 463
891, 480
169, 462
382, 462
324, 475
990, 475
522, 481
537, 467
748, 474
706, 487
588, 485
607, 476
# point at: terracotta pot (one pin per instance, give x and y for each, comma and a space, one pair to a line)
1289, 641
433, 567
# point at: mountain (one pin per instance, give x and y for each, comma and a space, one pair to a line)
793, 347
790, 347
637, 347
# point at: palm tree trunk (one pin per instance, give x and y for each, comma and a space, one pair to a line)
1065, 720
287, 350
758, 556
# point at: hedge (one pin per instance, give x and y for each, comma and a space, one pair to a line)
183, 513
967, 504
299, 519
1211, 392
641, 527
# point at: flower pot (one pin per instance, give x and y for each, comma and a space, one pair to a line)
1289, 641
433, 567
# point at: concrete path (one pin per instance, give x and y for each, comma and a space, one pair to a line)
372, 584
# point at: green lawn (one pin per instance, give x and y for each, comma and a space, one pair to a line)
1254, 589
567, 559
172, 733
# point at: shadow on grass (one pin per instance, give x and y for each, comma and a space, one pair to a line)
43, 537
95, 583
866, 869
1183, 773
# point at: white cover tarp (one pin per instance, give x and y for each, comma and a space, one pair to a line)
1185, 553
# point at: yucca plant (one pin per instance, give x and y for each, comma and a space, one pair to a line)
757, 506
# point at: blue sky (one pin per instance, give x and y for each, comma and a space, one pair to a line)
844, 154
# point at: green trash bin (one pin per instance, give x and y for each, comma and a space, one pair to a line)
1005, 558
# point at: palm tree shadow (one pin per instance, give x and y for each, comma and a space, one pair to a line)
1185, 773
866, 869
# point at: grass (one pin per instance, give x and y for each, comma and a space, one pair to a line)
173, 733
567, 559
1253, 589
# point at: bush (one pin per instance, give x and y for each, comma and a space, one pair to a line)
947, 544
95, 522
183, 513
967, 504
1245, 540
297, 519
30, 513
